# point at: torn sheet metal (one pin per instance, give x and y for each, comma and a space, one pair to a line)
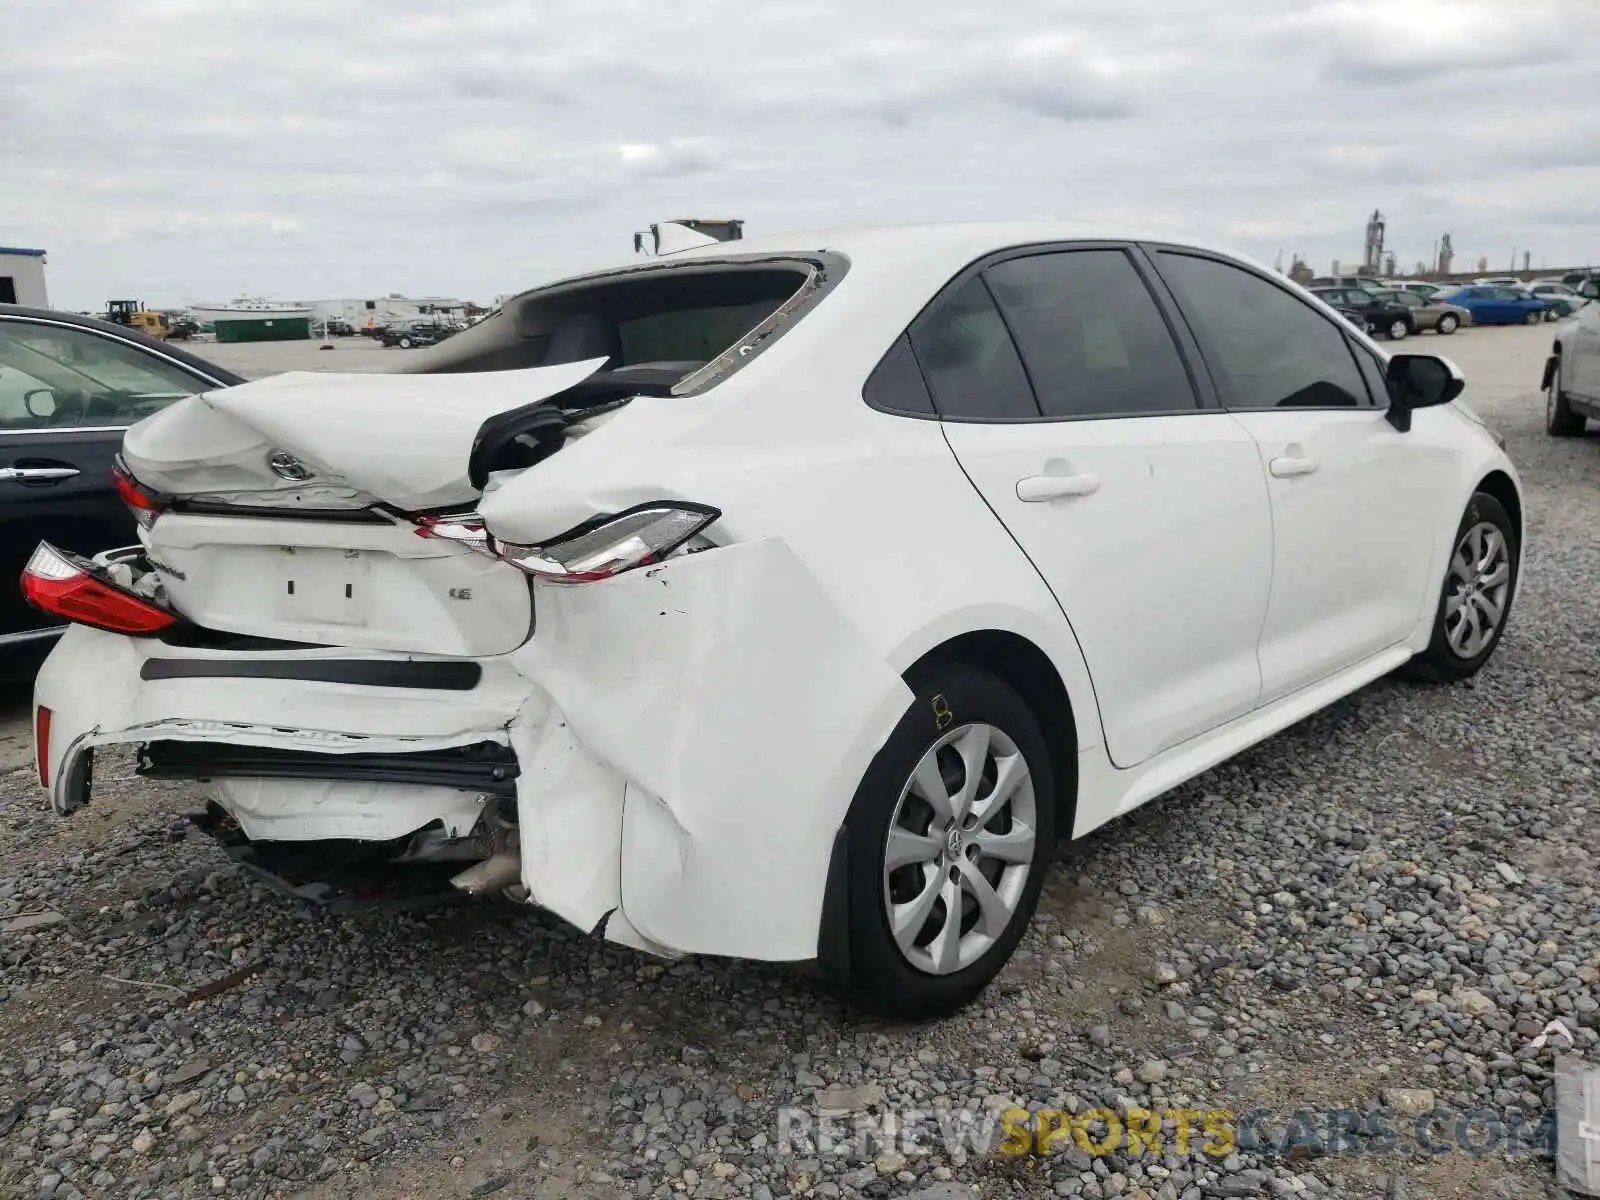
314, 810
569, 821
742, 707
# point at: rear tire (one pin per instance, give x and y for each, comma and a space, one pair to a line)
907, 861
1559, 419
1448, 324
1537, 316
1475, 599
405, 343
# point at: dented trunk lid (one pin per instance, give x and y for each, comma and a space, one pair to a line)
273, 527
313, 441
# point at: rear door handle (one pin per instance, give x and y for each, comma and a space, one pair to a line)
1290, 465
36, 474
1037, 488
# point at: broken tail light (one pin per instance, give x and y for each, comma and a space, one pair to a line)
607, 546
144, 505
62, 584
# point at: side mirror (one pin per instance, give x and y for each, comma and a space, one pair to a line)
1420, 381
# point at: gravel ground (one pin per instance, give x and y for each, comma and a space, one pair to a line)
1384, 904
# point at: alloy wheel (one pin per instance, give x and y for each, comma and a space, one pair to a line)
961, 844
1398, 330
1480, 581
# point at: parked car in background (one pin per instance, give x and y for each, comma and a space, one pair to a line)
1438, 315
1419, 286
1576, 279
1347, 281
1498, 305
407, 334
764, 716
69, 386
1571, 380
1389, 317
1563, 300
338, 328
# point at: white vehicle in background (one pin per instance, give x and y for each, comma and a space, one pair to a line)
784, 599
1571, 381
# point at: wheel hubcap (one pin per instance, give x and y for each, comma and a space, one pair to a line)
1475, 594
961, 843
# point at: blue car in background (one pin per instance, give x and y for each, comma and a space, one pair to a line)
1494, 305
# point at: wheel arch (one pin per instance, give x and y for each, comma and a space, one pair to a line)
1023, 666
1504, 489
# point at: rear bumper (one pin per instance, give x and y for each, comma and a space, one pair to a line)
686, 743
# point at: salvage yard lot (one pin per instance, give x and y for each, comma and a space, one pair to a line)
1398, 893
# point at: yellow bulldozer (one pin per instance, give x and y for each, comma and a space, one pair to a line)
135, 315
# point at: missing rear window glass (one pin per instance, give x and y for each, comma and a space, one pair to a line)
682, 327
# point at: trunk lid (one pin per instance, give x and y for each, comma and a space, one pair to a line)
312, 441
271, 530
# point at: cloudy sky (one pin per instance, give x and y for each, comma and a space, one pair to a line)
182, 150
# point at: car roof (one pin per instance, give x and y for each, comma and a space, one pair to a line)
955, 242
126, 333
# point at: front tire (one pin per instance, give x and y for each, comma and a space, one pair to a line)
405, 343
1448, 323
1475, 600
1398, 330
949, 839
1559, 419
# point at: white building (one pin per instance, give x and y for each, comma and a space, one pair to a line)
22, 277
362, 312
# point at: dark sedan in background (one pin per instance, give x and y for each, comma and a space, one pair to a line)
1385, 316
69, 387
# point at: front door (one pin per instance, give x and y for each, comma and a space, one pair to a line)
1145, 514
1353, 499
66, 395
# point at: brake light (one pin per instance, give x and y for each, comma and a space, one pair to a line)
607, 546
62, 584
41, 743
144, 506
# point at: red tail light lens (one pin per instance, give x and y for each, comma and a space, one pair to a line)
41, 743
144, 506
608, 546
62, 584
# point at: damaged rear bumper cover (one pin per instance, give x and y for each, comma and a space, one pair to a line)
676, 747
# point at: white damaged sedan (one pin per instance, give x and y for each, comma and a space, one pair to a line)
784, 599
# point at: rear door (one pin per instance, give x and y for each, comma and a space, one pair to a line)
66, 395
1067, 399
1354, 501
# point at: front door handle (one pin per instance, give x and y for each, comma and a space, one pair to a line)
36, 474
1037, 488
1290, 465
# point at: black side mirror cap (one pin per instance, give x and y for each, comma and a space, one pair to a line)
1420, 381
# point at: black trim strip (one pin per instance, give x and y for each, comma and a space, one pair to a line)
359, 672
485, 767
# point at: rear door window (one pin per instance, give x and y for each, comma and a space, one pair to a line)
969, 359
1094, 342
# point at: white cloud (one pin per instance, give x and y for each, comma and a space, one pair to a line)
185, 149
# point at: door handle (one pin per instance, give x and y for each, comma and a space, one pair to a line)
36, 474
1290, 465
1036, 488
